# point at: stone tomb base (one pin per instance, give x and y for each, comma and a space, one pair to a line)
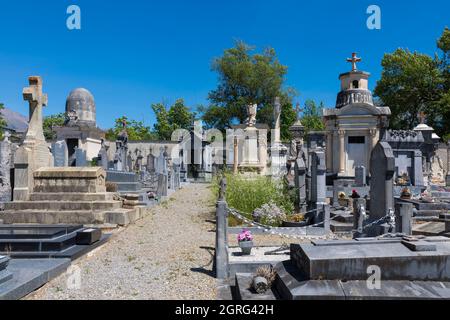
411, 268
27, 275
49, 241
69, 196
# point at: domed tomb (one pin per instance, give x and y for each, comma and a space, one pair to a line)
80, 107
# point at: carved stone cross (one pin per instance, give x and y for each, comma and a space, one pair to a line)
353, 60
36, 99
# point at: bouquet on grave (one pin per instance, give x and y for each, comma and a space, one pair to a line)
244, 236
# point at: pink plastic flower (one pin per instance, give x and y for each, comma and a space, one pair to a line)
245, 235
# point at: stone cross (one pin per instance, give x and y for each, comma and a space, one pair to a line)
36, 99
422, 117
403, 162
353, 60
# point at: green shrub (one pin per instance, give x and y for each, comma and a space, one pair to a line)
247, 194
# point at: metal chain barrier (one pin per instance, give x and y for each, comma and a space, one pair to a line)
269, 229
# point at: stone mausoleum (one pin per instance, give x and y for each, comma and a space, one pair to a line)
354, 126
80, 130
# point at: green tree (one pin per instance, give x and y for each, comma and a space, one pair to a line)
178, 116
245, 78
50, 122
288, 117
444, 45
412, 82
312, 116
137, 131
3, 123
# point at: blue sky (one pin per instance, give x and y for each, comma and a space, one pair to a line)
132, 53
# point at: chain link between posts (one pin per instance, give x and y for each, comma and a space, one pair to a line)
269, 229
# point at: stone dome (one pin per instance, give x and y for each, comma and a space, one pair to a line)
81, 102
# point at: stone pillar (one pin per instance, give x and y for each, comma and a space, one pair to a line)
300, 185
371, 143
341, 152
382, 182
404, 218
221, 258
318, 181
262, 150
236, 156
447, 179
5, 169
329, 149
418, 169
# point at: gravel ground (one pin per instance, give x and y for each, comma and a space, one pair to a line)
167, 255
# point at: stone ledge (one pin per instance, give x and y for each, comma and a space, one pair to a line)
69, 172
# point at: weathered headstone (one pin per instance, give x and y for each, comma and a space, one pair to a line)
150, 162
360, 176
60, 154
5, 169
318, 184
139, 161
382, 169
103, 157
300, 185
80, 157
130, 162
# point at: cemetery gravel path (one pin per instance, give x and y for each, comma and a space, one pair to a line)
167, 255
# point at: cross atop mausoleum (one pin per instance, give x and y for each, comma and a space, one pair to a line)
353, 60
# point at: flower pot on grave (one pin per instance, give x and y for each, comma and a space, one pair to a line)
246, 247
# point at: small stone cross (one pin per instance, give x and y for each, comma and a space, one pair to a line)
422, 117
353, 60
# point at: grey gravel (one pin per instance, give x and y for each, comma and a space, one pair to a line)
167, 255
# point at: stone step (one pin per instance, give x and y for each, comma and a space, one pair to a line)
78, 217
338, 227
291, 284
63, 205
42, 196
122, 217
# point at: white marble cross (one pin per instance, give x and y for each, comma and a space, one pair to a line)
403, 162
